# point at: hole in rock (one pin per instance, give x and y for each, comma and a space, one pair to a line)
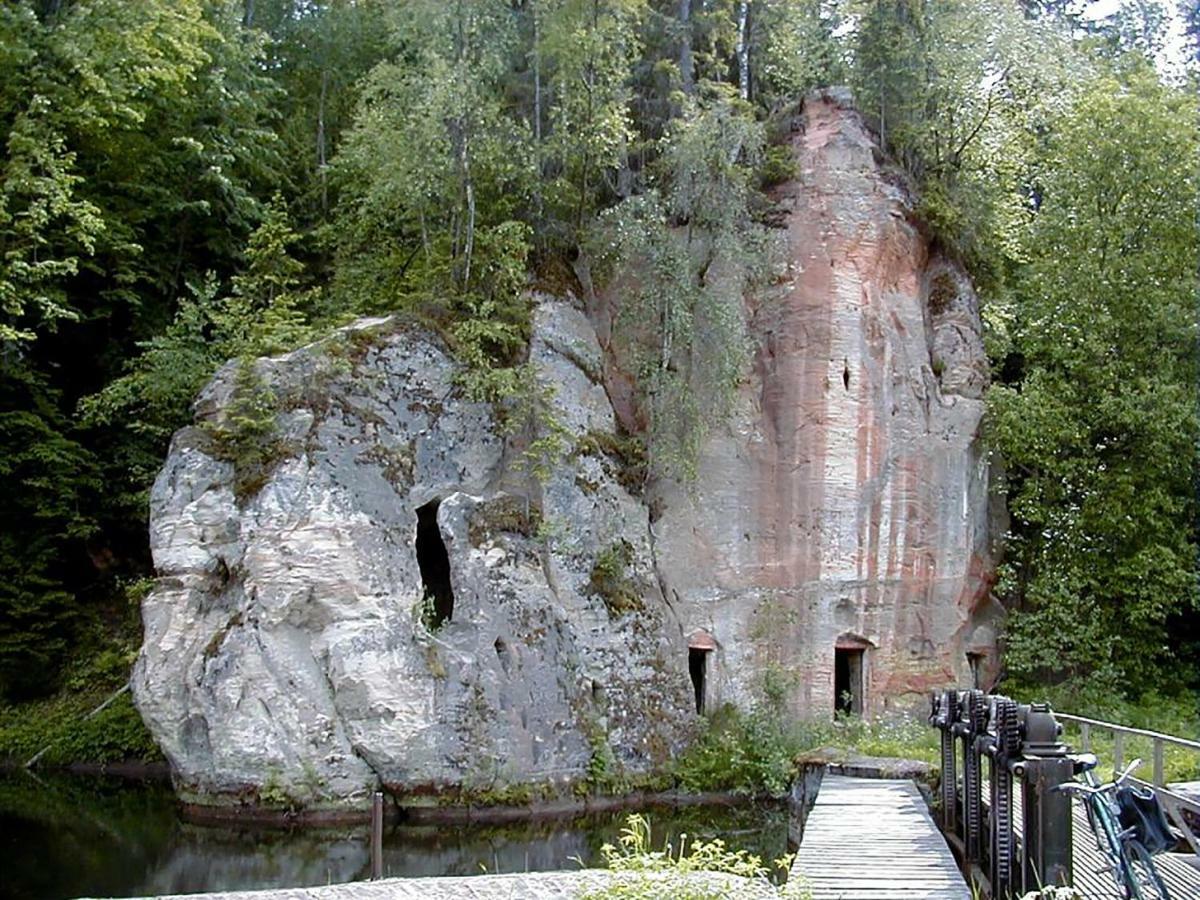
848, 681
698, 669
975, 661
435, 566
846, 374
503, 654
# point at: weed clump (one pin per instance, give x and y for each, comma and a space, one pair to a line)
686, 872
611, 582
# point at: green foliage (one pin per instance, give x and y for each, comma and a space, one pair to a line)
588, 49
961, 92
1165, 713
696, 251
52, 480
747, 754
647, 873
1099, 433
756, 752
61, 722
793, 50
246, 433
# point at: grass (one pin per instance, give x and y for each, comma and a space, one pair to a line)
756, 753
114, 735
100, 667
1173, 714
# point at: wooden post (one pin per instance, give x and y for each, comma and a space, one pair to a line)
377, 836
1158, 763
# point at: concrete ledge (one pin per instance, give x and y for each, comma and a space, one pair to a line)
530, 886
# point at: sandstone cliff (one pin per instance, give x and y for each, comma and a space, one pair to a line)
847, 505
395, 599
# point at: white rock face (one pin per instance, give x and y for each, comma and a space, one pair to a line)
286, 658
848, 501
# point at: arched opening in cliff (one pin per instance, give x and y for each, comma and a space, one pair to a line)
849, 666
700, 645
975, 662
434, 564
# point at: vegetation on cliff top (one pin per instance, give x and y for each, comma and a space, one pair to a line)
188, 181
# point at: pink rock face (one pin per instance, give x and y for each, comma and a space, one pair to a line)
847, 504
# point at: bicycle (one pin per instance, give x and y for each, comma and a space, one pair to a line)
1129, 827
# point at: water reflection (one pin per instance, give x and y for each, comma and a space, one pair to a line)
71, 836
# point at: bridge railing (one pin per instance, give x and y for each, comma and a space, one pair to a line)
988, 739
1182, 808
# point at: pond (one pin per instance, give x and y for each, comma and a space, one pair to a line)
70, 836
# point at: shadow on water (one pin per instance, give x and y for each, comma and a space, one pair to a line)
75, 836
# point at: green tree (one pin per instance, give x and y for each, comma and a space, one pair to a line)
695, 250
434, 163
136, 144
1099, 432
590, 46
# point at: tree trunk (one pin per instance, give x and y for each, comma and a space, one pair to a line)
248, 14
743, 48
321, 165
537, 108
686, 73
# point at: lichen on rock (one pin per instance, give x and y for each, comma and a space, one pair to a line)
286, 659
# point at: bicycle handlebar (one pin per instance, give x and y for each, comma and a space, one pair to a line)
1069, 786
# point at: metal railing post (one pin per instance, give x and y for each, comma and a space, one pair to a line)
1047, 829
1118, 751
377, 836
1159, 779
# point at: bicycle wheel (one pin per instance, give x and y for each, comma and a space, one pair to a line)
1144, 882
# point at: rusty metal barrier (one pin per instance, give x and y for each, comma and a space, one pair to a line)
1020, 746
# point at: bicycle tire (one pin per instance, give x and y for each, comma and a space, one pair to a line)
1104, 830
1144, 882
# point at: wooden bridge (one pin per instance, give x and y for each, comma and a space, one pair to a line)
868, 839
874, 839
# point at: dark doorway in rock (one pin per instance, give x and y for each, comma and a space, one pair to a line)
435, 567
698, 669
975, 661
848, 680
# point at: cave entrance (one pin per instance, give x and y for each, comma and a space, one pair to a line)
698, 666
700, 645
975, 663
434, 564
848, 680
849, 674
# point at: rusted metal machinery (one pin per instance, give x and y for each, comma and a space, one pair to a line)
1020, 745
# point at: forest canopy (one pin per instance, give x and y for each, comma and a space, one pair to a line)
189, 181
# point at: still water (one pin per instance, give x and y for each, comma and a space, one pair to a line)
100, 837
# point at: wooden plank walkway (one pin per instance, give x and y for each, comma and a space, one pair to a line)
1092, 877
873, 839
